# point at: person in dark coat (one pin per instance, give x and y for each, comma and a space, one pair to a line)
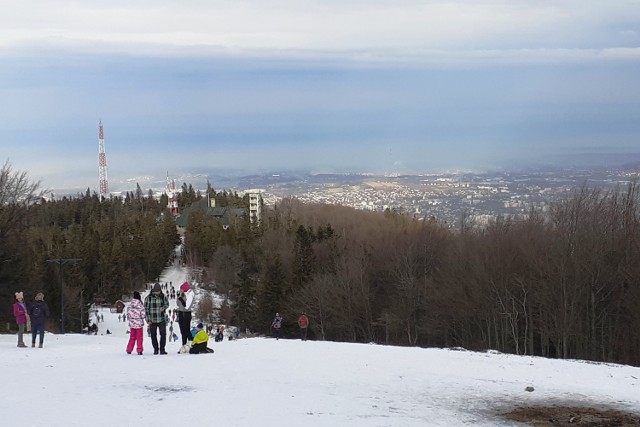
39, 313
155, 305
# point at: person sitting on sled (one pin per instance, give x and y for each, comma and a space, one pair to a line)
200, 340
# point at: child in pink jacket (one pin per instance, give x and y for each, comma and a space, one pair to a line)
22, 317
135, 315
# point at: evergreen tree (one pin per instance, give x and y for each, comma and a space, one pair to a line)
272, 298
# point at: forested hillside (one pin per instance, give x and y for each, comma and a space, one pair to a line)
122, 243
562, 284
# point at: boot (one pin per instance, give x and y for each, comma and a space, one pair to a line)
21, 345
33, 345
40, 346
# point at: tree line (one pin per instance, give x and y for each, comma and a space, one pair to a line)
564, 283
123, 243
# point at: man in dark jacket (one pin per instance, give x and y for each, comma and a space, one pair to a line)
155, 305
39, 313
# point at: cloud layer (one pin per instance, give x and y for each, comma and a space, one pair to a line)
344, 85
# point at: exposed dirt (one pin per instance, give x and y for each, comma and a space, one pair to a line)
559, 416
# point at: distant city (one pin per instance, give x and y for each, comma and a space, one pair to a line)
480, 197
446, 197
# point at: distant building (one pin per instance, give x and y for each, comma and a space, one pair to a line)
255, 206
226, 215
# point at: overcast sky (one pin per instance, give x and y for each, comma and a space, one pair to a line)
349, 85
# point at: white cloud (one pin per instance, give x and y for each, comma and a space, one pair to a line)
408, 30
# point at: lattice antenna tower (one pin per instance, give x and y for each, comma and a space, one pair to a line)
102, 163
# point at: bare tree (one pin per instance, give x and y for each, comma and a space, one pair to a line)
16, 191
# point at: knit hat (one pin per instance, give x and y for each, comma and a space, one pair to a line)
156, 288
19, 295
185, 287
200, 326
136, 295
40, 296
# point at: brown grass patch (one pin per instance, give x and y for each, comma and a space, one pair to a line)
559, 416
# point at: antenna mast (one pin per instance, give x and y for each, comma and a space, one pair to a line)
102, 163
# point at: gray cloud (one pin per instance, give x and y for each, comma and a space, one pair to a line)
342, 85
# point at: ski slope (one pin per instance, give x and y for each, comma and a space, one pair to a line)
86, 380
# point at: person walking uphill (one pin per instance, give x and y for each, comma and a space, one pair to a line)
276, 325
136, 314
303, 322
155, 304
185, 302
38, 313
20, 313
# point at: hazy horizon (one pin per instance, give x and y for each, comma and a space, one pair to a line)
399, 86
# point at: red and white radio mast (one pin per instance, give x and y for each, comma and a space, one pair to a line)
102, 163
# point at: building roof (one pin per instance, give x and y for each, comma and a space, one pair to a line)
223, 214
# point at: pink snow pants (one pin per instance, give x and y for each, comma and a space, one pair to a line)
135, 336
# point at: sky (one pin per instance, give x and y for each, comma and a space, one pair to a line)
80, 380
326, 86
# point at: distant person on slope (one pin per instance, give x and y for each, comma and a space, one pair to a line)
303, 322
39, 313
155, 305
276, 325
185, 302
200, 341
136, 315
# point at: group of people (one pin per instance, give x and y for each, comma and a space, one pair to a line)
30, 318
168, 289
153, 311
303, 324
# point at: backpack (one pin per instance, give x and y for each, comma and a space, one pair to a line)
36, 311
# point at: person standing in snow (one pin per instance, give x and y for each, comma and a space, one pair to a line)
20, 313
155, 305
303, 322
185, 302
276, 325
136, 314
38, 313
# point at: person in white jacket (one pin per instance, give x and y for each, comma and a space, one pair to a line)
185, 302
135, 314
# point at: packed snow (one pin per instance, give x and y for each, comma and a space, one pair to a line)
80, 380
